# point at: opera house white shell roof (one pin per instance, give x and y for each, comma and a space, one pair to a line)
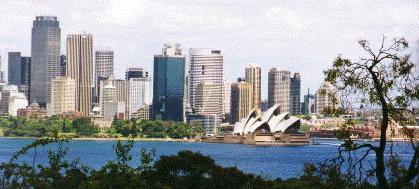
271, 121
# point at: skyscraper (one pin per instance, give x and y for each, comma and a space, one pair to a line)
25, 75
14, 69
295, 94
169, 84
103, 63
206, 65
241, 100
279, 89
80, 68
19, 71
62, 95
138, 87
253, 76
103, 67
45, 52
226, 101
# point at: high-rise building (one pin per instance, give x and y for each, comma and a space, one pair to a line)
295, 94
253, 76
138, 89
206, 68
103, 67
279, 89
80, 68
326, 97
108, 95
62, 95
226, 101
121, 90
45, 52
169, 84
63, 65
25, 71
208, 101
104, 63
241, 100
14, 69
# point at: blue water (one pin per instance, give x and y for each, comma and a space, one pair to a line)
270, 161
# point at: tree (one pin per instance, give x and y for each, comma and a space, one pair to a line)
84, 126
386, 78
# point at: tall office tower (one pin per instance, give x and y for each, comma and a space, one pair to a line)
80, 68
138, 87
326, 97
206, 65
103, 63
103, 68
62, 95
253, 76
63, 65
226, 101
208, 101
279, 89
309, 103
241, 100
25, 71
169, 84
14, 69
121, 90
295, 94
45, 52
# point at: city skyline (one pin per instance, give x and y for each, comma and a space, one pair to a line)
289, 37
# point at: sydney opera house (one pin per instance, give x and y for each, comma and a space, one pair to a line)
269, 127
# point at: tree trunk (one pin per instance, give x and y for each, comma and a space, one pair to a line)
380, 161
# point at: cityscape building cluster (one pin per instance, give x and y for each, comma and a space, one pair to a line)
183, 87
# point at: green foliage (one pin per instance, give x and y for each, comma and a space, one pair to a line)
386, 78
155, 129
22, 127
84, 126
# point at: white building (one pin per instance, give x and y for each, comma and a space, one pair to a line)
326, 96
108, 95
139, 93
206, 65
17, 102
12, 100
226, 99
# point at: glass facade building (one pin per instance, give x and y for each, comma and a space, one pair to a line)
168, 84
295, 95
45, 52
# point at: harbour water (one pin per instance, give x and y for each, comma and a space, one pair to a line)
270, 161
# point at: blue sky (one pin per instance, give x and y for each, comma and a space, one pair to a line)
300, 36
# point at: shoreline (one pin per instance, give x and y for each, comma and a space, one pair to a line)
183, 140
109, 139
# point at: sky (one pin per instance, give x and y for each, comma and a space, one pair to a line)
299, 36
